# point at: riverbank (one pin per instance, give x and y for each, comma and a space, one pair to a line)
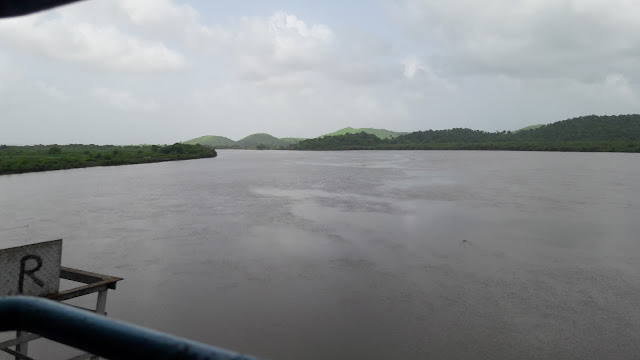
567, 146
23, 159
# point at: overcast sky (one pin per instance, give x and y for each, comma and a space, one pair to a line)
162, 71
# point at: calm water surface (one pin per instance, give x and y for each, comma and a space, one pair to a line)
358, 255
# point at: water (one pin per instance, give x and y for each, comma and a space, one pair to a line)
376, 255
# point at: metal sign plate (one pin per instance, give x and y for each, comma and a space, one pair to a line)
31, 269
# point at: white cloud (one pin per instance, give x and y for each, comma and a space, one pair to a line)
144, 12
614, 88
123, 100
277, 45
581, 39
52, 91
411, 67
419, 75
264, 49
257, 48
66, 38
295, 43
168, 20
489, 65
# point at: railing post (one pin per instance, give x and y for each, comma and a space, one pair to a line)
101, 305
22, 348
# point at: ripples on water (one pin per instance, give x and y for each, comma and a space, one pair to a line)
378, 255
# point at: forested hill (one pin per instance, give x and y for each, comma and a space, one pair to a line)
530, 127
381, 133
266, 140
254, 141
587, 133
211, 140
587, 128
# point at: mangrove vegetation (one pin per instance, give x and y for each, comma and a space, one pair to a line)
21, 159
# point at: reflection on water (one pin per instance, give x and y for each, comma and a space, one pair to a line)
290, 255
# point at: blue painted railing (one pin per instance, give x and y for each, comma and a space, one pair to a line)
100, 335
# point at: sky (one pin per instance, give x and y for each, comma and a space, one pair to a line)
163, 71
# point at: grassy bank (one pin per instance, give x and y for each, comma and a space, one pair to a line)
22, 159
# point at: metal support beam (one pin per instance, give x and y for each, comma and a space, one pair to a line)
23, 347
85, 277
84, 357
17, 355
19, 340
101, 305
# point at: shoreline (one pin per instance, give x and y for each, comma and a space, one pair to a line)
40, 158
85, 166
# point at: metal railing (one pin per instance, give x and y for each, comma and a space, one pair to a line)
100, 335
90, 283
10, 8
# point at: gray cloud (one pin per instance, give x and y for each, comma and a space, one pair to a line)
123, 100
52, 91
582, 40
70, 39
166, 71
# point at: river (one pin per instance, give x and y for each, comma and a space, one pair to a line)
358, 255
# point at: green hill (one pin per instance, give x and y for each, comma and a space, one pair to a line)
291, 140
587, 128
530, 127
584, 128
261, 139
248, 142
587, 133
381, 133
211, 140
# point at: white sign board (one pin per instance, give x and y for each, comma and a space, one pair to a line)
31, 269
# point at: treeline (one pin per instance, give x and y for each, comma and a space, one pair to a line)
587, 133
21, 159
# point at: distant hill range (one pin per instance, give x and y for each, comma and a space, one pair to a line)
252, 141
381, 133
262, 140
586, 133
